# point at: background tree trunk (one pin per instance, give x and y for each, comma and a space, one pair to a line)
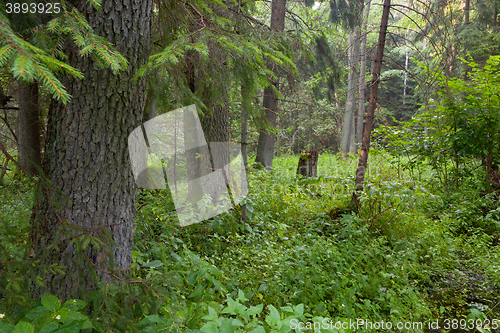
216, 129
28, 127
365, 147
92, 189
466, 12
150, 108
265, 147
348, 136
407, 56
245, 109
362, 83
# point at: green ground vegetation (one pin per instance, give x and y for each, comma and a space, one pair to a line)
418, 250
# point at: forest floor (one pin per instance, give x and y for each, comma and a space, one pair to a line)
418, 251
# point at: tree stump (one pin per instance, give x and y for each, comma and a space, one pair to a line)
308, 163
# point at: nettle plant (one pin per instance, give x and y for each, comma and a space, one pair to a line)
237, 317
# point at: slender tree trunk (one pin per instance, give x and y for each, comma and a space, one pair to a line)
244, 125
28, 127
466, 12
245, 98
365, 147
265, 147
362, 83
495, 14
150, 107
348, 137
92, 189
406, 69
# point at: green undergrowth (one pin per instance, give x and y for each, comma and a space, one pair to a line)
303, 256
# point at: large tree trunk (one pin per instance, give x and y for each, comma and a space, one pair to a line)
265, 148
28, 128
92, 189
348, 136
365, 147
362, 83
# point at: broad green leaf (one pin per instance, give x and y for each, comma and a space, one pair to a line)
51, 302
299, 310
23, 327
273, 317
75, 316
87, 325
74, 304
258, 329
212, 314
153, 264
210, 327
241, 296
49, 328
255, 310
70, 327
6, 328
231, 306
226, 326
237, 323
37, 312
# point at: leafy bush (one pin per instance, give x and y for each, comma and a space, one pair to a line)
50, 317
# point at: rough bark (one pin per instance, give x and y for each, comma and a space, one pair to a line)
365, 147
92, 189
215, 126
265, 147
362, 83
28, 128
348, 136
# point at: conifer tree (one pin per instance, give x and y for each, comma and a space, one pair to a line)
84, 213
265, 148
